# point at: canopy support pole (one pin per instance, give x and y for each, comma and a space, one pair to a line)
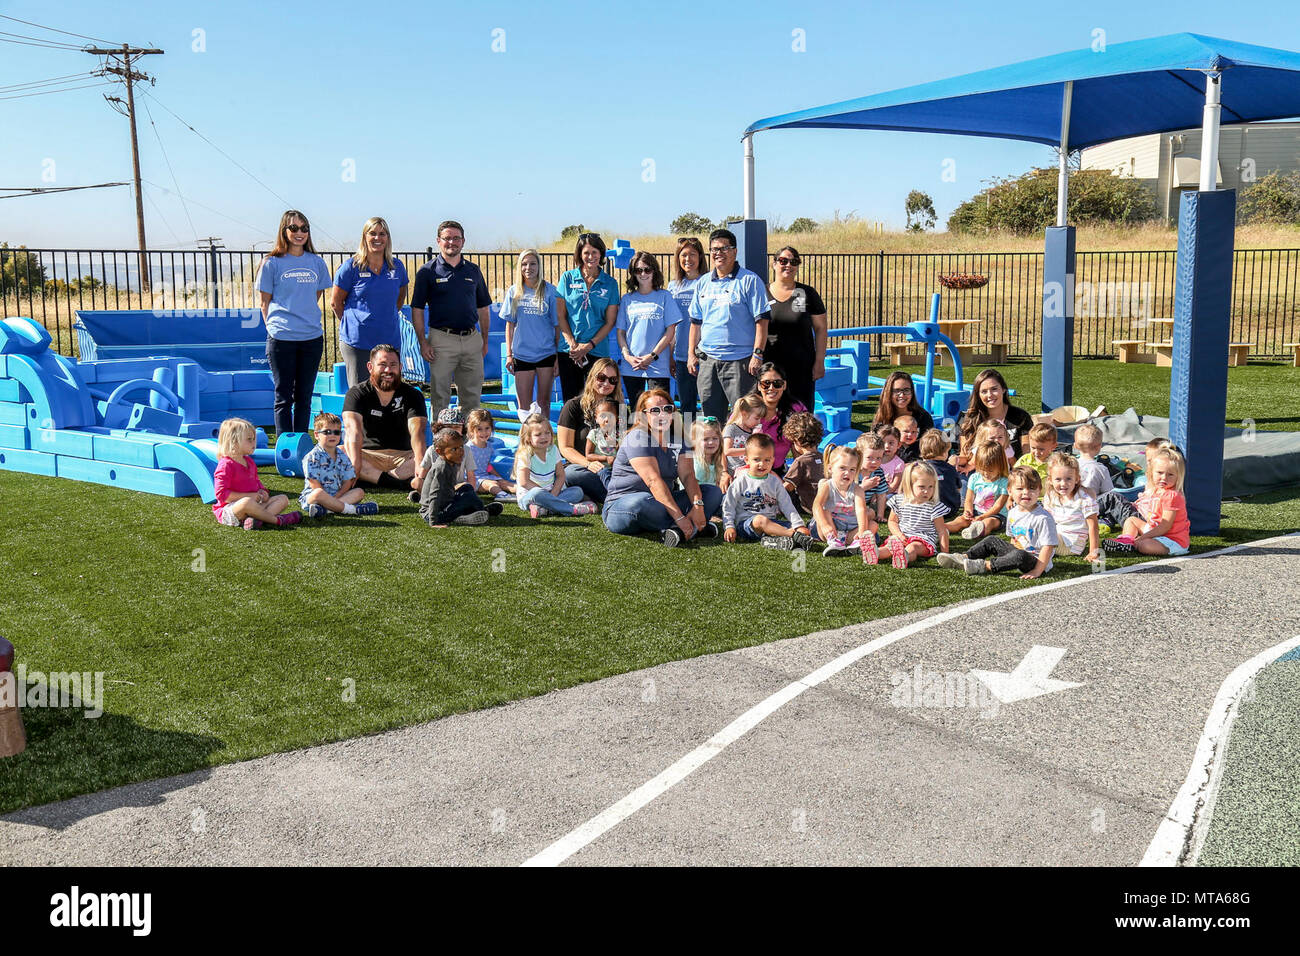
748, 141
1063, 173
1210, 134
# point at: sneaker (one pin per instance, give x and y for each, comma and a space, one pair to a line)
251, 524
1118, 546
537, 512
584, 508
976, 530
673, 538
369, 508
414, 497
710, 530
494, 508
504, 497
284, 520
474, 517
870, 554
803, 541
974, 566
779, 542
834, 546
951, 561
317, 511
898, 551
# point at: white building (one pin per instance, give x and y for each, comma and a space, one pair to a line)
1169, 163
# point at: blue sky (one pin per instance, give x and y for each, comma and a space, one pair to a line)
555, 129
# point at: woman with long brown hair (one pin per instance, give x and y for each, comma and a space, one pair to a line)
898, 397
577, 418
291, 282
796, 334
688, 267
989, 402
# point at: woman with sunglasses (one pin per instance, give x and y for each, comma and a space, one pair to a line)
898, 397
796, 335
591, 299
647, 321
369, 292
577, 418
689, 263
652, 459
291, 283
773, 391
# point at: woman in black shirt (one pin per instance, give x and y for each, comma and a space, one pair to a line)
796, 334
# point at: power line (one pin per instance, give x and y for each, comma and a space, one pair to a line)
56, 30
38, 41
65, 89
171, 171
218, 212
51, 81
24, 191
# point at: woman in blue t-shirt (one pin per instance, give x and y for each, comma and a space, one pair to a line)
290, 282
532, 311
369, 292
689, 262
647, 320
591, 306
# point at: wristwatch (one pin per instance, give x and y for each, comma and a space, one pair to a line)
698, 502
758, 353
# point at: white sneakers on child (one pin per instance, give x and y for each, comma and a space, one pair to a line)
976, 530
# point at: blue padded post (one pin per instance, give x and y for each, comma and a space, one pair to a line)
165, 377
1198, 386
1058, 318
751, 245
188, 391
340, 378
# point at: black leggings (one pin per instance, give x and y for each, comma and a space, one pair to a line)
1006, 556
572, 377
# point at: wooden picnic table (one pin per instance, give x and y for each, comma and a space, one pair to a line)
954, 328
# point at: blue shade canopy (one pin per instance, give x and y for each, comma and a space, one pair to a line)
1142, 86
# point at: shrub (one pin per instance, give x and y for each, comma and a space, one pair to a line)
1027, 203
1272, 198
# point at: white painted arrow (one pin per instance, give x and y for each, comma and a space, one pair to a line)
1029, 679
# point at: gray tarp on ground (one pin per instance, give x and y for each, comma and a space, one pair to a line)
1253, 461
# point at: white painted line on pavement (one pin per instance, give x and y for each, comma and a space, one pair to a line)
1173, 835
607, 819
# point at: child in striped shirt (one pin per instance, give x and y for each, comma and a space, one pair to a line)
916, 518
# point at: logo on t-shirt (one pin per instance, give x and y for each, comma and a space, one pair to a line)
302, 275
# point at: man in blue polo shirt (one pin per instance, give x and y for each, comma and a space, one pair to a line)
453, 290
729, 315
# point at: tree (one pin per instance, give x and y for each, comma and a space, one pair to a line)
921, 206
803, 224
20, 271
572, 232
1271, 198
1027, 203
691, 224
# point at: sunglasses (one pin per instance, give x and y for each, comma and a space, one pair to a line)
297, 229
772, 383
786, 261
644, 272
588, 235
661, 409
707, 420
607, 380
330, 431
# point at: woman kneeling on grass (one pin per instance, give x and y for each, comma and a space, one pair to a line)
653, 456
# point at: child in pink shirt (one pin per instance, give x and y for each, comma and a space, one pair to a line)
1163, 527
242, 499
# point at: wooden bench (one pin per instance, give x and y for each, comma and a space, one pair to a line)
899, 352
1238, 354
997, 353
1295, 361
1130, 350
1164, 353
965, 349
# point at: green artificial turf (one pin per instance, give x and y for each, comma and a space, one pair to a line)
219, 645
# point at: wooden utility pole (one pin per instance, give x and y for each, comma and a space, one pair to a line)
123, 57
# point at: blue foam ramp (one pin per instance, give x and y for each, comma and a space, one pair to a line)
32, 462
57, 389
14, 436
173, 484
12, 391
12, 413
207, 448
22, 336
290, 449
192, 464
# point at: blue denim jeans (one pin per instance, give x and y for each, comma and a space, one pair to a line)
639, 511
561, 504
592, 483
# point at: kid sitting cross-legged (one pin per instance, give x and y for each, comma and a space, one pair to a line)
242, 499
805, 434
487, 479
840, 513
1031, 530
541, 478
329, 481
754, 503
444, 499
916, 517
1162, 526
1072, 508
986, 493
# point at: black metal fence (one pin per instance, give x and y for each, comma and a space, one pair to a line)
1117, 294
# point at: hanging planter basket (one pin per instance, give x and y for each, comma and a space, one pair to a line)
962, 280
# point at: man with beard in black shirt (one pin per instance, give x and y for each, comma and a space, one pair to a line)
384, 420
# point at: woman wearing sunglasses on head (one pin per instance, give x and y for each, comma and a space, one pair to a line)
291, 282
796, 335
688, 266
591, 299
647, 321
369, 292
577, 419
772, 389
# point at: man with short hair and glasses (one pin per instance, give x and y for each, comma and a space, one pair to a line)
729, 315
453, 290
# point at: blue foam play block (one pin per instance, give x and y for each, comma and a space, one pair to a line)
12, 413
22, 336
332, 402
246, 400
125, 451
324, 382
215, 382
56, 387
214, 404
147, 418
12, 391
14, 436
32, 462
155, 481
203, 429
290, 449
109, 371
251, 381
191, 465
63, 441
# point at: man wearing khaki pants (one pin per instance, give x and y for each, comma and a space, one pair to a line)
456, 341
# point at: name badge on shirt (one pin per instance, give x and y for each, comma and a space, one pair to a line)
444, 279
363, 275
